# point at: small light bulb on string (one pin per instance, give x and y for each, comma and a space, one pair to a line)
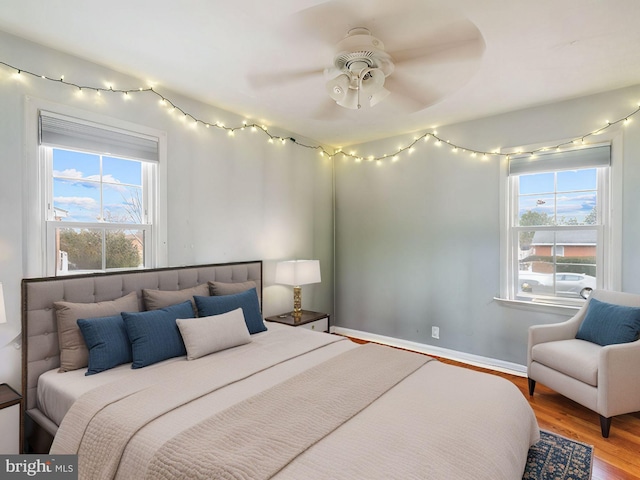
579, 140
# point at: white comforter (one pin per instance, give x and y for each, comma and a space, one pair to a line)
439, 422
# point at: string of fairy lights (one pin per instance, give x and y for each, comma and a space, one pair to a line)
394, 156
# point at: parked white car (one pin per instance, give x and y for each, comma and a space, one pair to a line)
567, 283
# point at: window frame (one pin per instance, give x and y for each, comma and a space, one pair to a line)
608, 251
38, 260
148, 187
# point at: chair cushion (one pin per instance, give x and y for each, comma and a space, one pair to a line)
576, 358
609, 324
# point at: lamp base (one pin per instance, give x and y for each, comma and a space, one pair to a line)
297, 303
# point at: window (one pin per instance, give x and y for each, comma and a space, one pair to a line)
99, 187
558, 224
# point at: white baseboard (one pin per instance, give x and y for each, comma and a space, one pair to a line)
468, 358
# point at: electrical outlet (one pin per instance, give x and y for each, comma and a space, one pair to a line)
435, 332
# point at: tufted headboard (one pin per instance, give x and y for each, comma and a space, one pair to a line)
40, 351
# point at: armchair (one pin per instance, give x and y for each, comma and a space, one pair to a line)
605, 379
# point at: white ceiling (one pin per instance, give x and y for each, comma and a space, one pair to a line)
535, 52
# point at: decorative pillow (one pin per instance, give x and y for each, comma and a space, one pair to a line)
223, 288
73, 350
247, 301
608, 324
107, 341
206, 335
154, 335
155, 299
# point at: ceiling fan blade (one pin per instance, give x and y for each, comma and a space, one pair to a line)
408, 96
329, 111
328, 21
284, 77
460, 41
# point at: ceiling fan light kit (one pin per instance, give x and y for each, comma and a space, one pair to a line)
363, 66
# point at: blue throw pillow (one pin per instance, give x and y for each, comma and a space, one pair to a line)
608, 324
154, 335
107, 341
247, 301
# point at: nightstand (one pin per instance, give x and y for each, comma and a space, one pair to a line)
10, 411
310, 320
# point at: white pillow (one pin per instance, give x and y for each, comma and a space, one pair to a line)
206, 335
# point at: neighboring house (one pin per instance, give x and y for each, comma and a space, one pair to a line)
581, 243
574, 244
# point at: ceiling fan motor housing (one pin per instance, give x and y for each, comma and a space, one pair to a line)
361, 49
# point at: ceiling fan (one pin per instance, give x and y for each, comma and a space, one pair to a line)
434, 51
362, 66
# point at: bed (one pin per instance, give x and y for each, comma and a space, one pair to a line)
276, 402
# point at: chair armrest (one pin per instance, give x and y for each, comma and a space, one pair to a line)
619, 379
554, 331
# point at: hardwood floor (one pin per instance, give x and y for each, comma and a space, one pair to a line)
615, 458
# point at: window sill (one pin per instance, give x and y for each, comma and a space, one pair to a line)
542, 307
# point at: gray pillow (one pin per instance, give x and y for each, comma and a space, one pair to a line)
156, 299
205, 335
73, 350
223, 288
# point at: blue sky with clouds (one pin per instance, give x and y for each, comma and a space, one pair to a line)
569, 194
90, 191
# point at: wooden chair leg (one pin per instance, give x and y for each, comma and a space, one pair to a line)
605, 426
532, 386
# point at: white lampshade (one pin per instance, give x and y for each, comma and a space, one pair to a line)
3, 313
298, 272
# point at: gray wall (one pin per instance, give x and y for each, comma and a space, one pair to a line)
229, 199
418, 240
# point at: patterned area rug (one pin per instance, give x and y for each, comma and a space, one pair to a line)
558, 458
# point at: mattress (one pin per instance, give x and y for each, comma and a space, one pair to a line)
58, 391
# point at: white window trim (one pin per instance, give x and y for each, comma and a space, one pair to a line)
34, 226
612, 274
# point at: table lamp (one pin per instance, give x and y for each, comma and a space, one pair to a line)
297, 273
